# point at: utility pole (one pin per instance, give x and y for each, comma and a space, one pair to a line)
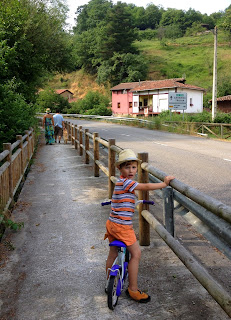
214, 97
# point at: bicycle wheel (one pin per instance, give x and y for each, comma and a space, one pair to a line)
112, 298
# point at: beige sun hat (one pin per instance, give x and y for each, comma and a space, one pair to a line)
126, 155
48, 110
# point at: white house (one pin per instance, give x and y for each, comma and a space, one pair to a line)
152, 97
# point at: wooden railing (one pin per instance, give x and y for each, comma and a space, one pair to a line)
219, 130
14, 161
211, 211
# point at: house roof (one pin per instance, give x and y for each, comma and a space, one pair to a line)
125, 86
59, 91
156, 84
225, 98
165, 84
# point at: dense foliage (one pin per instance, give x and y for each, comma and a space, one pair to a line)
94, 103
50, 99
33, 44
104, 43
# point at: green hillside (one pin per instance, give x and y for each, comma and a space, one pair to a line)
189, 57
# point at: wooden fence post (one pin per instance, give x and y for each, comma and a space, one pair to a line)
19, 137
80, 141
168, 210
111, 167
86, 146
76, 137
222, 131
72, 134
69, 130
28, 145
7, 146
144, 227
96, 153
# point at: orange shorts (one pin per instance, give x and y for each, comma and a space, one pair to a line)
124, 233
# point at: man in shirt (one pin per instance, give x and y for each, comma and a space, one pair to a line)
59, 125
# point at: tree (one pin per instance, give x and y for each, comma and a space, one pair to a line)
173, 17
226, 24
126, 67
153, 16
33, 43
15, 113
50, 99
119, 34
90, 15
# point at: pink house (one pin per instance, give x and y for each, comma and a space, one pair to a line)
152, 97
122, 98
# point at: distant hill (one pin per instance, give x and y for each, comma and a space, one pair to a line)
189, 57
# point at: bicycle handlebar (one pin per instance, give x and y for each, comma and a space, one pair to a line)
105, 203
147, 202
139, 201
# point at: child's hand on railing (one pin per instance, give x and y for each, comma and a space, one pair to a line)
167, 179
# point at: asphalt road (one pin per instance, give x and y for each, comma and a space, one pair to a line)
201, 163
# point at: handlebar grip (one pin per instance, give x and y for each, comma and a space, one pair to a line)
105, 203
148, 202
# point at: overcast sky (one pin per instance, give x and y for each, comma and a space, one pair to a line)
198, 5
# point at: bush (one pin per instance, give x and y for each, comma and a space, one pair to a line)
223, 118
15, 113
49, 99
93, 103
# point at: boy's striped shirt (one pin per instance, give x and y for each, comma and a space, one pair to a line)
123, 201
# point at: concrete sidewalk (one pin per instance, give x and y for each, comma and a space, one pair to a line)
57, 270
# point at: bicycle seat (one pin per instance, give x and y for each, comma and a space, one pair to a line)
117, 243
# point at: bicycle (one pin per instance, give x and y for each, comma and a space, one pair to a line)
119, 270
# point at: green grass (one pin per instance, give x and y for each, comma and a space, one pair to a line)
189, 57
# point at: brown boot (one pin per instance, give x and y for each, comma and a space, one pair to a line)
138, 295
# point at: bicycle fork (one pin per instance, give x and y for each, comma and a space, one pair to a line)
119, 267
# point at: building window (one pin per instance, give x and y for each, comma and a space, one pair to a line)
130, 104
118, 105
145, 102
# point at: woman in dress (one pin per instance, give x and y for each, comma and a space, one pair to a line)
48, 124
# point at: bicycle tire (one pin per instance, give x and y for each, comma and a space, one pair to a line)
112, 297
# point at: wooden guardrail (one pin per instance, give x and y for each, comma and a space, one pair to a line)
219, 130
14, 161
198, 202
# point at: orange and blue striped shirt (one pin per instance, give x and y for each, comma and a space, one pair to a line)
123, 201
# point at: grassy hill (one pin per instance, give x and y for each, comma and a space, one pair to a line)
189, 57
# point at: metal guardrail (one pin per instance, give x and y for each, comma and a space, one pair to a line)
216, 215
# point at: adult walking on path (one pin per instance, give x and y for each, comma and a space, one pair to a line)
48, 125
59, 125
57, 269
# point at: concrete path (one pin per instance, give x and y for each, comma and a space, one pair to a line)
56, 271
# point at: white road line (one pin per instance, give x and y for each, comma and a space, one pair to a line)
227, 160
123, 134
161, 144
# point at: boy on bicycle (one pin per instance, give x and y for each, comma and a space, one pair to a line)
119, 225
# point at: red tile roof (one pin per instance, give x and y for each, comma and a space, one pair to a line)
126, 86
225, 98
59, 91
157, 84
